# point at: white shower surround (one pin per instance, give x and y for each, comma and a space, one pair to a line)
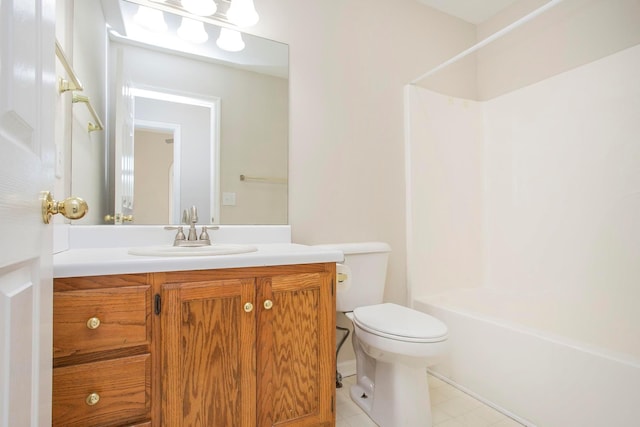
529, 195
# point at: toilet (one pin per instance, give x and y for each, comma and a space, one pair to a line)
393, 344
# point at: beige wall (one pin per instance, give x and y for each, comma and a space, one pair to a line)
573, 33
153, 161
349, 61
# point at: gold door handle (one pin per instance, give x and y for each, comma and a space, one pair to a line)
92, 399
93, 323
118, 218
248, 307
268, 304
71, 207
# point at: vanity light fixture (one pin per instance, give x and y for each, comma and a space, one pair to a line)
192, 31
150, 19
200, 7
230, 40
242, 13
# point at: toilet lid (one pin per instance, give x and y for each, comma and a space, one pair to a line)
398, 322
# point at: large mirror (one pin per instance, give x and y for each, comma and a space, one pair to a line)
187, 123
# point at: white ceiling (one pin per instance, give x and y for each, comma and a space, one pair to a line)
474, 11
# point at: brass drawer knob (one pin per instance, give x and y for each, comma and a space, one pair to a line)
248, 307
92, 399
93, 323
268, 304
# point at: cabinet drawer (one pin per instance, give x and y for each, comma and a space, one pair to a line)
120, 389
86, 321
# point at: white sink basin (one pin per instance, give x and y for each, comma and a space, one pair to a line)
214, 249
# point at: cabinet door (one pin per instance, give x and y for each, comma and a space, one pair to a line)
296, 350
208, 353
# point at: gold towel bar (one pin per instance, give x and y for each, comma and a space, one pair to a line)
63, 84
268, 180
73, 84
90, 126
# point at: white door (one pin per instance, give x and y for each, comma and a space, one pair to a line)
27, 96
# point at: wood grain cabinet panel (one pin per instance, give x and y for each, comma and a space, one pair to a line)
87, 321
243, 347
208, 354
257, 350
107, 393
296, 344
102, 356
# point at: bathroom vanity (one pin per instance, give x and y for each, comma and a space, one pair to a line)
230, 340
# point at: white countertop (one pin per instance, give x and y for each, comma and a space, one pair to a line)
117, 260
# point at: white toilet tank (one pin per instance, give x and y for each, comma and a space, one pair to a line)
362, 274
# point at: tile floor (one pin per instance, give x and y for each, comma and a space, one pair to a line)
450, 408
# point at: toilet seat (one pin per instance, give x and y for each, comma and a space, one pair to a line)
399, 323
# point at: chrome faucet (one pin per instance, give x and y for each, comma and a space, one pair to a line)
190, 217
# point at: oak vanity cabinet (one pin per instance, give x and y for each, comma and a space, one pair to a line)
102, 351
241, 347
248, 347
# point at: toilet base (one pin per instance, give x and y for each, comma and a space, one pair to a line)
399, 397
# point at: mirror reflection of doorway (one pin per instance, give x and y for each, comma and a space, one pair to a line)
153, 184
193, 125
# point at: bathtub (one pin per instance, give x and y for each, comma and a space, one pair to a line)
547, 360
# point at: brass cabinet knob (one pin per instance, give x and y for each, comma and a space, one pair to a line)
248, 307
268, 304
93, 323
92, 399
71, 207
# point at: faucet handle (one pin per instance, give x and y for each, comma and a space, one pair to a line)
204, 235
180, 235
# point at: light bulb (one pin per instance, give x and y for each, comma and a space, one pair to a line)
200, 7
242, 13
230, 40
151, 19
192, 31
